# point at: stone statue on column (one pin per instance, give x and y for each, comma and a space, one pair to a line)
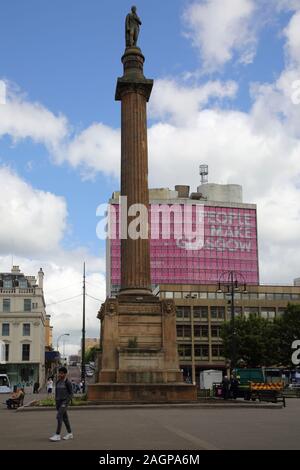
132, 28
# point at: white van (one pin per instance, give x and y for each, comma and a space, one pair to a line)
4, 384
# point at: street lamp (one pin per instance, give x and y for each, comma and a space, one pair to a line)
230, 279
57, 342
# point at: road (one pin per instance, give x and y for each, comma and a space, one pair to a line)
157, 429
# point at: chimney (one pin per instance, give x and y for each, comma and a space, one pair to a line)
15, 270
183, 191
41, 278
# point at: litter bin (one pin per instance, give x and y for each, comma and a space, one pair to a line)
218, 391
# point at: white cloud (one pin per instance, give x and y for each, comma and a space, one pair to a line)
32, 227
292, 33
63, 280
259, 149
97, 148
219, 29
32, 221
21, 119
181, 104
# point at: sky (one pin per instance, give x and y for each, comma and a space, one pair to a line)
226, 93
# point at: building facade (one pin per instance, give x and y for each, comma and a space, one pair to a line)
48, 333
23, 327
222, 227
201, 310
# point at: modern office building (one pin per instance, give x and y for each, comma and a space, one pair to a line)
202, 309
23, 327
194, 237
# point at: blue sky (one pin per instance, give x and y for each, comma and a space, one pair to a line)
66, 55
63, 56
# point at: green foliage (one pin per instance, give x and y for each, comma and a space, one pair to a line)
46, 402
78, 401
286, 330
260, 342
90, 355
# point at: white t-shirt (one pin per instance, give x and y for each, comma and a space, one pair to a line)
49, 384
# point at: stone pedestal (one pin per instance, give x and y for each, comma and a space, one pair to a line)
139, 353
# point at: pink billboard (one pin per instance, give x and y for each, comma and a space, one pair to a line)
229, 244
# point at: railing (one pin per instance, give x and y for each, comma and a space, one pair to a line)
17, 290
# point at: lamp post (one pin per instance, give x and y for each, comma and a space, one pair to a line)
230, 280
57, 342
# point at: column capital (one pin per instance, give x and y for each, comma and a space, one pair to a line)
125, 85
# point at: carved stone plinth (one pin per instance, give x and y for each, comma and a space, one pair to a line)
139, 352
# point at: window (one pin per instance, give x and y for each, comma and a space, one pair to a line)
212, 295
27, 305
215, 331
237, 312
177, 295
250, 311
7, 283
184, 331
169, 295
183, 312
25, 352
23, 284
201, 331
220, 295
34, 305
268, 313
201, 351
26, 329
202, 295
217, 351
281, 312
6, 352
201, 313
270, 296
5, 329
217, 313
185, 351
6, 305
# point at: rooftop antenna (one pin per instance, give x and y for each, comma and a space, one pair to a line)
203, 171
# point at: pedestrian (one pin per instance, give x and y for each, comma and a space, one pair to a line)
63, 397
49, 386
225, 387
234, 387
36, 387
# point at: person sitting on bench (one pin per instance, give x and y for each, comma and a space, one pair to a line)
16, 398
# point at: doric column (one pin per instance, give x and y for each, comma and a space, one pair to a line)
134, 90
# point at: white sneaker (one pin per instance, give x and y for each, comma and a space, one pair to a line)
68, 436
55, 437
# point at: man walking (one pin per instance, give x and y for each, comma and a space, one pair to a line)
63, 396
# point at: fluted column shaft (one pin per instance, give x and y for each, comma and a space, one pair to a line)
133, 90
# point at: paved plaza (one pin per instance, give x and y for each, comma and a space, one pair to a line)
156, 429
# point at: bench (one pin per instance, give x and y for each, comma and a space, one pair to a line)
15, 402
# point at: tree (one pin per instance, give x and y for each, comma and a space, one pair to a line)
260, 342
252, 339
286, 330
90, 355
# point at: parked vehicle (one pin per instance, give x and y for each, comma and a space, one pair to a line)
253, 385
4, 384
